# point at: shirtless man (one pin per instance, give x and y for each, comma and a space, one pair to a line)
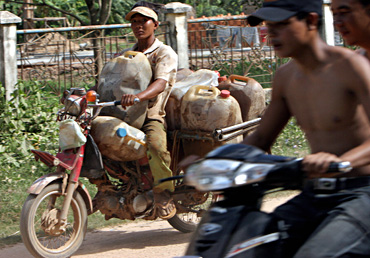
327, 90
352, 20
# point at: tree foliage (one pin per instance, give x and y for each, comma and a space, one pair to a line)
79, 12
94, 12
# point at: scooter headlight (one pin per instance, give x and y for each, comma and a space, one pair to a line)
250, 173
215, 175
211, 175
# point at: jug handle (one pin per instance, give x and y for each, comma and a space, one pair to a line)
234, 77
215, 93
130, 53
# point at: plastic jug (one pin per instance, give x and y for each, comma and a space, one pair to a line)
130, 74
249, 94
203, 109
183, 84
117, 140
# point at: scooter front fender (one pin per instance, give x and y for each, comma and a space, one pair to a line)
39, 184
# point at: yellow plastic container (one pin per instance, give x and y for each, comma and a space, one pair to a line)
204, 109
130, 73
185, 80
249, 94
117, 140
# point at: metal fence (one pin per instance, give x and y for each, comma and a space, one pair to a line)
228, 45
61, 58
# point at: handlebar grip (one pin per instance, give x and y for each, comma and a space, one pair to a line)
343, 167
118, 102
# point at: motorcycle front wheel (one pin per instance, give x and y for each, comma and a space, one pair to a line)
39, 223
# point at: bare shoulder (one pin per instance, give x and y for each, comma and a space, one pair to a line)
350, 59
353, 71
283, 75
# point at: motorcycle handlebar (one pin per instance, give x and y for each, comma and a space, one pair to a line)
344, 167
111, 103
99, 106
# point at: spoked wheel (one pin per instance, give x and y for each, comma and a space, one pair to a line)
190, 210
40, 228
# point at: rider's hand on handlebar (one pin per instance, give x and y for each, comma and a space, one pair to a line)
318, 163
128, 100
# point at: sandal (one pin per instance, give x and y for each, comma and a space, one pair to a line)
164, 205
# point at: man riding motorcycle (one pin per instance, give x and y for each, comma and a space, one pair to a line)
163, 60
327, 90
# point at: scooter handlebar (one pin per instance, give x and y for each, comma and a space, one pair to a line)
344, 167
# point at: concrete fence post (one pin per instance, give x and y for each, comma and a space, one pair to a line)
328, 33
175, 14
8, 51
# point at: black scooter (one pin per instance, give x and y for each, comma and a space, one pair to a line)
235, 226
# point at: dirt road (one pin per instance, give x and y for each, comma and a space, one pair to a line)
144, 239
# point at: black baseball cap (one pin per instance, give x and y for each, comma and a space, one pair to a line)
280, 10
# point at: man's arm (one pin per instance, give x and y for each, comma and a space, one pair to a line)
360, 82
274, 119
153, 90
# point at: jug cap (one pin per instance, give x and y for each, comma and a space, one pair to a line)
225, 94
222, 78
121, 132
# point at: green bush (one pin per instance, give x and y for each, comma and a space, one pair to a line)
27, 122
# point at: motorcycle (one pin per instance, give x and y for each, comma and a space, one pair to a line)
235, 226
54, 216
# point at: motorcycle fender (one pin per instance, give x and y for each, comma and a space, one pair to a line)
86, 196
44, 181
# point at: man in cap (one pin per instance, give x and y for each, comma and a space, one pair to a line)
327, 90
352, 20
164, 62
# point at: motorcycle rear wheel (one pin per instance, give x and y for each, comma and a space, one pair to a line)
187, 222
38, 212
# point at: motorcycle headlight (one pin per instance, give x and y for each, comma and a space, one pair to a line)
73, 105
209, 175
215, 175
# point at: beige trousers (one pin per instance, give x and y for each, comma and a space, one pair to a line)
158, 155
